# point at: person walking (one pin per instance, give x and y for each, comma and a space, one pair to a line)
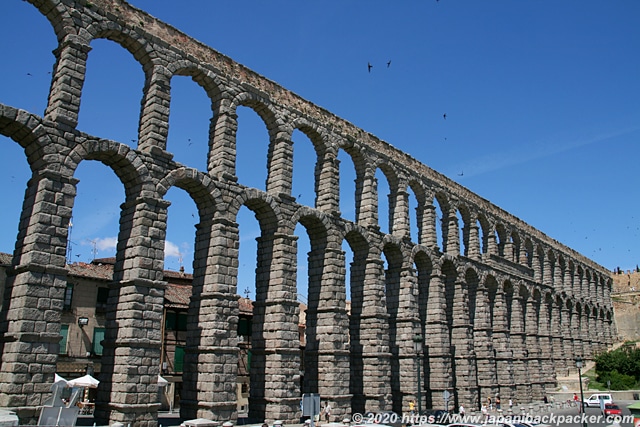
327, 412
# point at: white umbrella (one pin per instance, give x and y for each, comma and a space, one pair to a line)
86, 381
161, 381
58, 379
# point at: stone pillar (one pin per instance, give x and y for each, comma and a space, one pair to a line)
275, 340
399, 211
128, 390
568, 280
452, 230
407, 325
222, 154
558, 277
280, 163
473, 247
374, 334
546, 344
328, 189
211, 354
367, 200
492, 244
34, 296
567, 337
504, 363
330, 339
438, 345
154, 120
429, 237
575, 334
483, 345
533, 330
536, 265
462, 343
558, 361
509, 247
548, 271
68, 78
520, 373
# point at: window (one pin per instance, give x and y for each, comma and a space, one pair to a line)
68, 296
176, 321
244, 327
64, 333
101, 300
98, 337
178, 359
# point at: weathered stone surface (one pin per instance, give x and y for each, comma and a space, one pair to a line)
497, 314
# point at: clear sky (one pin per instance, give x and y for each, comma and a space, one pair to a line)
542, 104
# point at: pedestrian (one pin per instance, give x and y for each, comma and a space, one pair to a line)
412, 407
489, 403
545, 399
327, 412
510, 403
498, 403
461, 410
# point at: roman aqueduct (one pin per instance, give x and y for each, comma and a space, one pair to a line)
505, 311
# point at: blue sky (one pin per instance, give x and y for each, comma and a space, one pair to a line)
542, 104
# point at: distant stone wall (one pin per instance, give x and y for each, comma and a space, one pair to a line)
502, 306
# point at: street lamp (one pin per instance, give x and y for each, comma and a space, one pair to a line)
579, 364
417, 345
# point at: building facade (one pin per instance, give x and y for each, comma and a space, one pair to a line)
505, 307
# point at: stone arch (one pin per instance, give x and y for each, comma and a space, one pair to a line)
325, 167
26, 129
124, 161
502, 234
158, 103
276, 183
366, 196
59, 17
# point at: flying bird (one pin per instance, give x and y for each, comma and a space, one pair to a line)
369, 66
389, 64
461, 173
444, 116
29, 74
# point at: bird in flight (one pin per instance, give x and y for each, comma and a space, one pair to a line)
444, 116
461, 173
389, 64
369, 66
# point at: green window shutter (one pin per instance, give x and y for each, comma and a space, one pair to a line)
181, 324
98, 336
170, 321
178, 359
64, 333
244, 327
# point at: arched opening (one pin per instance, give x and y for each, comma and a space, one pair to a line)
304, 185
189, 120
385, 203
347, 186
252, 147
102, 111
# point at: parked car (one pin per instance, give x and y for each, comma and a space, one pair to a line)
594, 400
611, 409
